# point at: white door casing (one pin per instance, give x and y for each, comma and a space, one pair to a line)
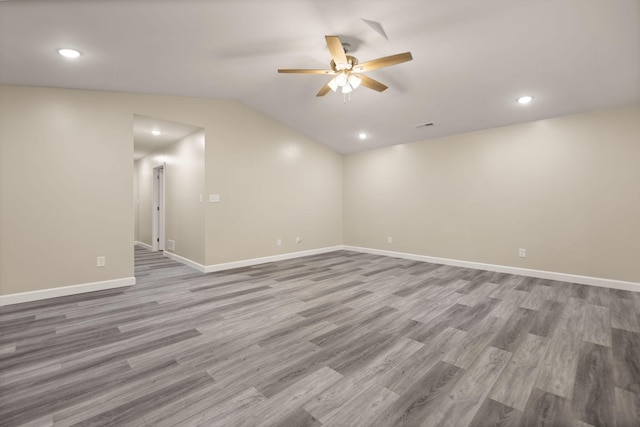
158, 208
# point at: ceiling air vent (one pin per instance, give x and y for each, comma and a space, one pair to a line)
424, 125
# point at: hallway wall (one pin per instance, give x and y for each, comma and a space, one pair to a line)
184, 183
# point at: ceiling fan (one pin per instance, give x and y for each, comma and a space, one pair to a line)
347, 71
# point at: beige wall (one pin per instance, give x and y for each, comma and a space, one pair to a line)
184, 183
274, 184
66, 189
144, 200
565, 189
136, 199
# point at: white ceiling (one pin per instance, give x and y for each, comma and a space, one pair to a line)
472, 58
144, 142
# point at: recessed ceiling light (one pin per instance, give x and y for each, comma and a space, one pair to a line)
156, 132
362, 135
525, 99
69, 53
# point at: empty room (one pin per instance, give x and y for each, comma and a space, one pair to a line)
319, 213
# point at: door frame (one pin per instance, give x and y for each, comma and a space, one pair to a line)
158, 207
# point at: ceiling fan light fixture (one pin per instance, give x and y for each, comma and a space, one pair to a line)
346, 69
354, 81
341, 79
333, 84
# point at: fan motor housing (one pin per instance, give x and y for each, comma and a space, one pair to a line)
352, 61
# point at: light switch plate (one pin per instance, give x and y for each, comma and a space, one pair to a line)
214, 198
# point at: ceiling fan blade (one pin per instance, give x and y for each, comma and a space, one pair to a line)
305, 71
372, 84
336, 49
383, 62
325, 90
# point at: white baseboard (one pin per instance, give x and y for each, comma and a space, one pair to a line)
65, 291
249, 262
144, 245
201, 268
130, 281
272, 258
550, 275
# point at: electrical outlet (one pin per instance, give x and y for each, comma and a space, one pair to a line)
101, 261
171, 245
279, 242
522, 253
298, 240
389, 239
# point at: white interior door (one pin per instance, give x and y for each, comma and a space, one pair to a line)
157, 211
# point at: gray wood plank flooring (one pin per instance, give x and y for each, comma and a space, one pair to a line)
338, 339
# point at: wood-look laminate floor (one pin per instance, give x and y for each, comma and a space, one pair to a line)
339, 339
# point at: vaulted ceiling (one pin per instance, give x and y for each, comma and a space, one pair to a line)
472, 59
